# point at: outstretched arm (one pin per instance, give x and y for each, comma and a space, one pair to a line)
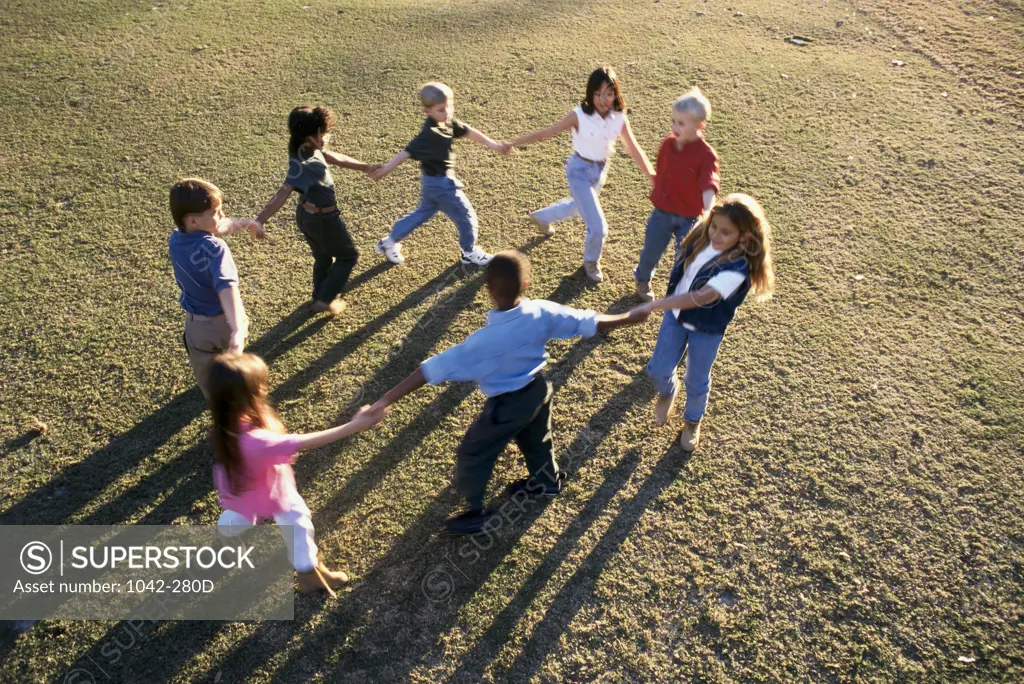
493, 145
366, 418
390, 166
407, 386
564, 124
608, 322
275, 203
633, 148
346, 162
229, 226
688, 300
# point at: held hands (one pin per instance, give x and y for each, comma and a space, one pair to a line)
368, 417
372, 169
504, 148
639, 314
229, 226
256, 230
236, 343
378, 173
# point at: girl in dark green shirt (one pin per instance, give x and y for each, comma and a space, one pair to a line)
334, 253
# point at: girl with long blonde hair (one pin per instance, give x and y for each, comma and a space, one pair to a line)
725, 257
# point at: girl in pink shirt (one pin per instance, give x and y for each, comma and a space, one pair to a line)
252, 462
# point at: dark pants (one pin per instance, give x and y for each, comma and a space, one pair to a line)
523, 415
334, 253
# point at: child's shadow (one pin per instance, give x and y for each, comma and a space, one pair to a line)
72, 488
433, 576
368, 275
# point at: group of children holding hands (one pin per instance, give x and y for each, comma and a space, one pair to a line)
723, 252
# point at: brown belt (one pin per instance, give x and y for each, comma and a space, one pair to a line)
313, 209
589, 161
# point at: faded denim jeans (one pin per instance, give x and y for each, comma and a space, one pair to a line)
585, 182
661, 227
700, 348
441, 193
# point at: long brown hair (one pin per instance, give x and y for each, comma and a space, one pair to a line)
599, 77
238, 392
754, 245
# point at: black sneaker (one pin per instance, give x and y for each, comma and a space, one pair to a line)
532, 488
470, 522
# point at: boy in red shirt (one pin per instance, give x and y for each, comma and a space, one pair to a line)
684, 187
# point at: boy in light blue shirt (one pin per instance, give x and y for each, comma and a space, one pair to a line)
504, 359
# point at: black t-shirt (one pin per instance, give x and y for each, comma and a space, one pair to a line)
432, 148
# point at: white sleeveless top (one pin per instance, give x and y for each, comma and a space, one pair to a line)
595, 138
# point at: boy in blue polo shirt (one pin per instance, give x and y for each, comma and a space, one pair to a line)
504, 359
204, 269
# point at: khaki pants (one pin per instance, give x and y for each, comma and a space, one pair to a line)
205, 337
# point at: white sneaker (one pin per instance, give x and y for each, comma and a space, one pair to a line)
477, 257
593, 270
392, 252
543, 228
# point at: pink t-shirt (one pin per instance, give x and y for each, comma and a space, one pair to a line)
267, 482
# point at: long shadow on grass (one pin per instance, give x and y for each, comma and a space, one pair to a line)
176, 483
366, 597
415, 592
443, 575
580, 587
56, 501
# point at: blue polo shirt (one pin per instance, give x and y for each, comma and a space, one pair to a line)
509, 351
203, 266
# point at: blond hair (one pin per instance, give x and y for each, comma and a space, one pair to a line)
694, 103
434, 93
754, 245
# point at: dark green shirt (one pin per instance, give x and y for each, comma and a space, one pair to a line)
308, 173
432, 148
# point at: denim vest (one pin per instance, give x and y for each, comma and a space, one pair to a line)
715, 317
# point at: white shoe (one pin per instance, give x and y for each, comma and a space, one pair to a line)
393, 253
593, 270
545, 229
477, 257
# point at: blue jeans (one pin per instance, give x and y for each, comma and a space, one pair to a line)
661, 226
441, 193
701, 350
585, 182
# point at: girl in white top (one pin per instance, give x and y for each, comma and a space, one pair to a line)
595, 124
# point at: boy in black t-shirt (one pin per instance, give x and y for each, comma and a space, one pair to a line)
441, 191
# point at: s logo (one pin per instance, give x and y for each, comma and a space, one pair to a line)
36, 558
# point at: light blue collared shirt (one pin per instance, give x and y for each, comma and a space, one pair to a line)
508, 352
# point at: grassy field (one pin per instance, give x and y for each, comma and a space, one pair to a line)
856, 510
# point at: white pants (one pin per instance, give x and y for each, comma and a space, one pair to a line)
301, 547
